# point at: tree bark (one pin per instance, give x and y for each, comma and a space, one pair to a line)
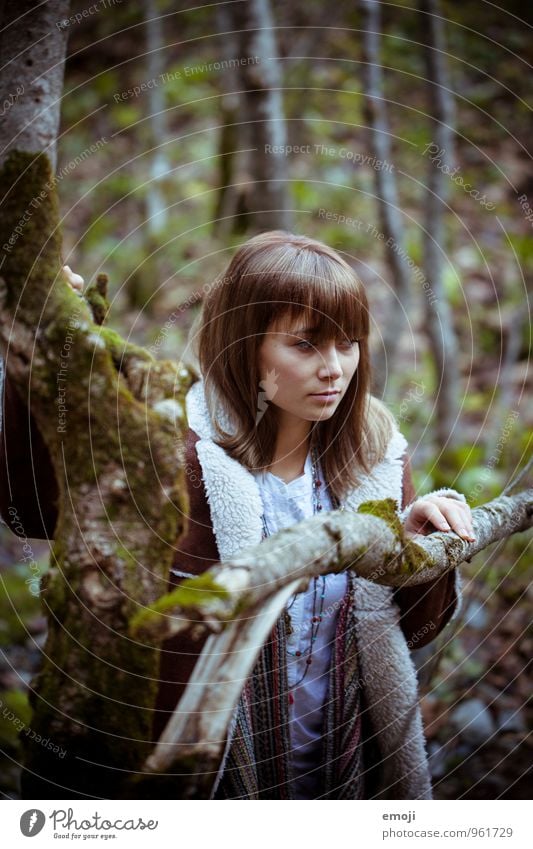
115, 445
260, 77
233, 155
32, 54
141, 282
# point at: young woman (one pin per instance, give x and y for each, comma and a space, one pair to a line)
282, 425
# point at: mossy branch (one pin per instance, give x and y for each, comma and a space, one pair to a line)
371, 543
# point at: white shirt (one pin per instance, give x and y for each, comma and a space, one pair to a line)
286, 504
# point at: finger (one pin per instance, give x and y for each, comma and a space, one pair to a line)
74, 280
434, 515
458, 513
459, 519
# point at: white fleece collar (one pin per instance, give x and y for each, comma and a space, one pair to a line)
232, 492
233, 495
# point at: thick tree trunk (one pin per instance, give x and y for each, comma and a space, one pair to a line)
112, 420
390, 215
111, 417
439, 320
32, 53
268, 197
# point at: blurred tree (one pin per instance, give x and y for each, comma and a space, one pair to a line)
390, 214
439, 322
156, 206
267, 195
439, 319
229, 214
143, 280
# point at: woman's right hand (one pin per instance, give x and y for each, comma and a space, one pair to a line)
75, 281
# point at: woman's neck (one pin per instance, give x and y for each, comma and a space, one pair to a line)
290, 453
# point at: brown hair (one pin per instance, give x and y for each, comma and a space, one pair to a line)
278, 275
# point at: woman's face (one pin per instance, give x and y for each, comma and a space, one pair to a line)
302, 379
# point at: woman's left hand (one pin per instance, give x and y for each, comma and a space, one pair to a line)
75, 281
440, 513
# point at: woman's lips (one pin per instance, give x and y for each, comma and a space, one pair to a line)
325, 396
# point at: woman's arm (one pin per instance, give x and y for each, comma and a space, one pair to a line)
426, 608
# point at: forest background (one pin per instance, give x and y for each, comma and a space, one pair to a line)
158, 183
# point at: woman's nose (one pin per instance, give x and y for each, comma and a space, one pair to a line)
330, 366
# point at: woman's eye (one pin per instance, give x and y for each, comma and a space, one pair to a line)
304, 345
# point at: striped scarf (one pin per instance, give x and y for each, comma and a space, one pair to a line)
257, 765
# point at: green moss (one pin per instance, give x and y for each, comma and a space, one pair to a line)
97, 298
413, 558
357, 554
29, 233
17, 603
193, 593
14, 716
120, 349
386, 509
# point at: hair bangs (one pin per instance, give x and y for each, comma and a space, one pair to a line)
317, 291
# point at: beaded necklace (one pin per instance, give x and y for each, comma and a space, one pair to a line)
318, 608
